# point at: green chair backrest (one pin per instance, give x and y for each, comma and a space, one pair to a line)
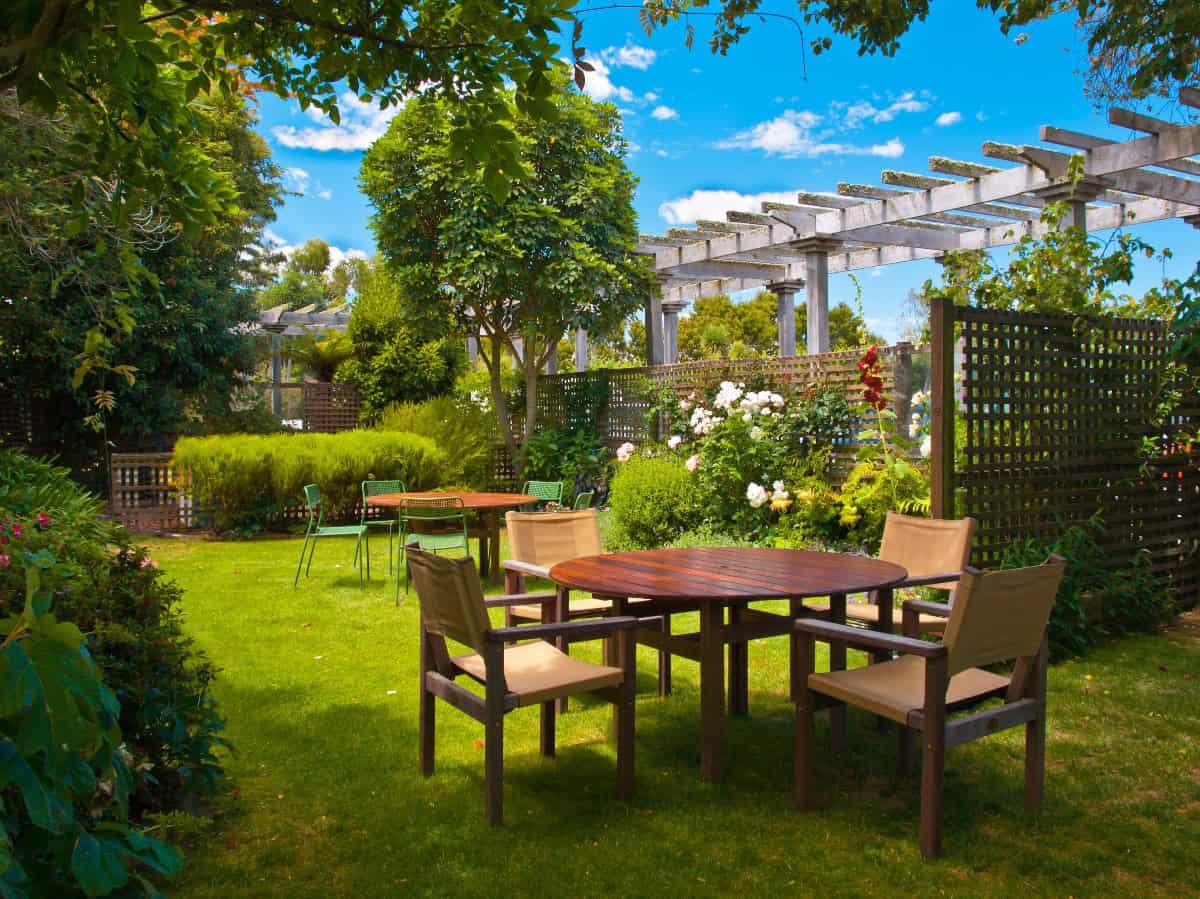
584, 500
312, 500
375, 488
546, 491
434, 508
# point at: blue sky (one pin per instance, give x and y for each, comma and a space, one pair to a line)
710, 133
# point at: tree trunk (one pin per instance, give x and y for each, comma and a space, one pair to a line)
492, 361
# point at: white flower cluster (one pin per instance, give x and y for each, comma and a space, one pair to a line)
703, 421
625, 452
728, 394
756, 494
674, 442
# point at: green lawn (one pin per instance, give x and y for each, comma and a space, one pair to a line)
319, 686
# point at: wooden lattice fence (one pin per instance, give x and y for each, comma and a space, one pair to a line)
330, 408
618, 400
1056, 411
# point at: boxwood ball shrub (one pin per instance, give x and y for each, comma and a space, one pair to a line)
242, 480
653, 501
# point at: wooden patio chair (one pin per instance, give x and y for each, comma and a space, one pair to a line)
537, 541
513, 674
933, 551
996, 617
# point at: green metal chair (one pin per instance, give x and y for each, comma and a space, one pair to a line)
445, 514
375, 488
583, 500
545, 491
316, 529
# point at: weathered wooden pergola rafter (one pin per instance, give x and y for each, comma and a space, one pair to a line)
964, 205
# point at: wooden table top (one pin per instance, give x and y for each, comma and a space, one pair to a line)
733, 573
481, 501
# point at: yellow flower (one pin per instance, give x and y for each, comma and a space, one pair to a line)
780, 505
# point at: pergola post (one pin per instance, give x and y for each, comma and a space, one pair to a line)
670, 317
654, 328
581, 350
518, 353
276, 366
1076, 196
816, 252
472, 348
785, 292
552, 361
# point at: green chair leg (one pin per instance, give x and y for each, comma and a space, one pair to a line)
312, 552
300, 564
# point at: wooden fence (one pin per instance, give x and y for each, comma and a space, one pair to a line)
1056, 411
329, 408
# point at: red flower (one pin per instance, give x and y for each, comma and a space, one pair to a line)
4, 560
43, 520
16, 532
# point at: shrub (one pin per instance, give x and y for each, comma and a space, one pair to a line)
450, 423
653, 501
1096, 599
577, 459
244, 480
102, 585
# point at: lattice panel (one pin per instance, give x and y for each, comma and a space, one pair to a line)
1056, 410
329, 408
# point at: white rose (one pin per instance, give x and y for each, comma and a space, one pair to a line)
625, 452
747, 417
926, 447
756, 433
756, 494
778, 487
674, 442
692, 463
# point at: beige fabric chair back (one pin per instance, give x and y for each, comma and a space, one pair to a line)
450, 596
1001, 615
925, 546
547, 538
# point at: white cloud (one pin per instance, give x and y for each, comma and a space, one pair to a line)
948, 118
662, 154
859, 113
650, 97
324, 193
664, 113
791, 135
713, 204
599, 86
273, 243
361, 125
631, 56
296, 180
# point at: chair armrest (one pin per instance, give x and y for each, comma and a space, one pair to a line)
589, 629
525, 568
927, 579
866, 639
924, 607
517, 599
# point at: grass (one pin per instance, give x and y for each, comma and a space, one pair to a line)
319, 686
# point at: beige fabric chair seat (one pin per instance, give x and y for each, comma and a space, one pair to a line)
578, 608
868, 613
893, 689
537, 671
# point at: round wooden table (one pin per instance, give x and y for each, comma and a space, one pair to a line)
717, 579
487, 505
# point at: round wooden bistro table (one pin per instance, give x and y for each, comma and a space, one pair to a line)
713, 580
487, 505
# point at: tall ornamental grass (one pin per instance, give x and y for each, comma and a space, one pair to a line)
244, 479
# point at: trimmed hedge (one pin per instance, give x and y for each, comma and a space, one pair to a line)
653, 502
247, 480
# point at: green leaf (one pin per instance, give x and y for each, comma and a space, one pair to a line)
98, 864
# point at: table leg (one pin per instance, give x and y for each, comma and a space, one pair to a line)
712, 690
494, 537
795, 610
739, 669
837, 662
484, 559
612, 647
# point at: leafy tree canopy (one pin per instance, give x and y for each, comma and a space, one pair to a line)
556, 253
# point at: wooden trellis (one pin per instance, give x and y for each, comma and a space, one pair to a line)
1056, 410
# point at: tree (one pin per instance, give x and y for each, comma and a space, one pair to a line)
1136, 48
188, 352
398, 354
720, 328
556, 253
312, 258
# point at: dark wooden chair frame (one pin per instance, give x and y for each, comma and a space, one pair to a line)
1024, 704
438, 674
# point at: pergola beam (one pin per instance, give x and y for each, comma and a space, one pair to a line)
1079, 141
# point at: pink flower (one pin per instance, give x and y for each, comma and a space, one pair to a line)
674, 442
625, 452
4, 560
43, 520
16, 532
692, 463
147, 562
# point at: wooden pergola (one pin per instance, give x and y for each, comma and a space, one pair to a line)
281, 322
789, 248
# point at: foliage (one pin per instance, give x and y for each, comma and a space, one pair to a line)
321, 356
245, 481
1133, 50
186, 353
579, 459
399, 356
131, 615
653, 501
294, 289
454, 424
1097, 598
717, 327
523, 271
1062, 271
306, 278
